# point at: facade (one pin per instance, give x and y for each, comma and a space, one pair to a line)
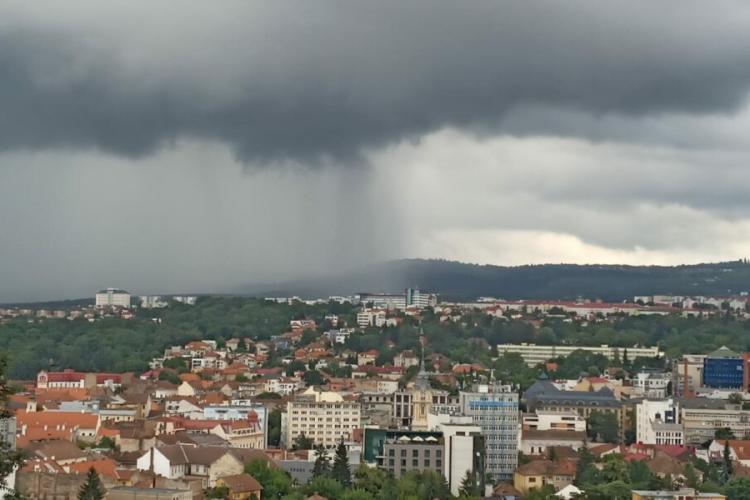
687, 375
658, 422
724, 369
543, 395
464, 452
553, 421
418, 298
323, 416
701, 418
132, 493
494, 408
407, 451
652, 385
112, 297
534, 354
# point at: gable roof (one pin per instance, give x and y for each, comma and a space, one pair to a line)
241, 483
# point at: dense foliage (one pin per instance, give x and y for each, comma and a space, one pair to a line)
127, 345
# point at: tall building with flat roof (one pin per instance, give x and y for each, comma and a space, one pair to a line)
112, 297
325, 417
494, 408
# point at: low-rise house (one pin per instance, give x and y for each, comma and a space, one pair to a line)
536, 442
241, 486
538, 473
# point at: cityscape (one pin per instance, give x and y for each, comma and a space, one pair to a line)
384, 250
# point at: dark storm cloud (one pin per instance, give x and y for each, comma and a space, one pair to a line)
309, 80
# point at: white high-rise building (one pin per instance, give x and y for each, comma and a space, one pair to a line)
112, 297
494, 408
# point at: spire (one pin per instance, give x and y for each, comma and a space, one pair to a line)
423, 378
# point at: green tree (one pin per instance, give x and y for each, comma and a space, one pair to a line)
424, 485
603, 427
469, 487
724, 433
378, 482
357, 494
727, 468
302, 442
324, 486
691, 477
546, 492
640, 475
738, 489
276, 482
92, 488
274, 428
340, 470
322, 467
217, 492
615, 468
617, 490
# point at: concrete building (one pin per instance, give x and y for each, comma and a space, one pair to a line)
112, 297
534, 354
652, 385
725, 369
407, 451
658, 422
702, 417
133, 493
687, 375
325, 417
494, 408
553, 420
464, 452
418, 298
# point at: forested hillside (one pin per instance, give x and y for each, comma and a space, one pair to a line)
124, 345
467, 281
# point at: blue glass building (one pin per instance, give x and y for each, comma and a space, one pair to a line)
723, 369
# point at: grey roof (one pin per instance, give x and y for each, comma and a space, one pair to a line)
723, 352
545, 392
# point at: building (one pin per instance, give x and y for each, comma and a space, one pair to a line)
681, 494
534, 354
412, 406
702, 417
652, 385
371, 317
384, 300
553, 420
241, 486
464, 452
325, 417
494, 408
725, 369
658, 422
69, 379
687, 375
405, 451
417, 298
538, 473
133, 493
544, 395
112, 297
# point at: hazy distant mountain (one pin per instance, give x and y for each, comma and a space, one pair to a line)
459, 280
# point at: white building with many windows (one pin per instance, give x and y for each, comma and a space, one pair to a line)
112, 297
325, 417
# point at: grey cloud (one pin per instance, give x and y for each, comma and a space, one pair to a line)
315, 80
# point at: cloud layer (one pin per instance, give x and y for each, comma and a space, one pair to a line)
310, 81
171, 147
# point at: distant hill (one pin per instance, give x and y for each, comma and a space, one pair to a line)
458, 280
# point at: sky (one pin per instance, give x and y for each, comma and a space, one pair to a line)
172, 146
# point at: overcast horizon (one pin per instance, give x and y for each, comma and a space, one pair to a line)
170, 147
